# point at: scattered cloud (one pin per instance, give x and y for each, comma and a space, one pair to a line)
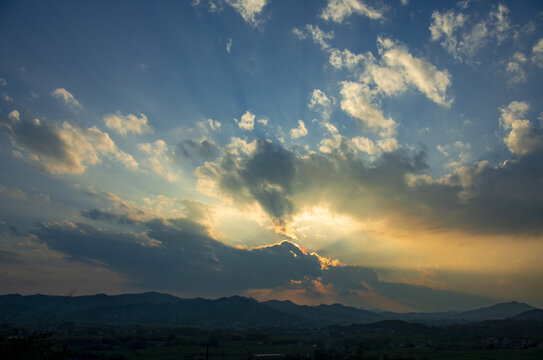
318, 36
3, 82
465, 36
338, 10
249, 9
247, 121
129, 123
299, 131
66, 96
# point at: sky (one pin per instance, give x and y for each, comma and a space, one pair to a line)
380, 154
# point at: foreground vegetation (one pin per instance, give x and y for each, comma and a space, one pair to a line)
388, 340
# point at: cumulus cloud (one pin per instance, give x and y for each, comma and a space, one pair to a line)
248, 9
159, 159
65, 148
338, 10
316, 34
247, 121
129, 123
523, 138
299, 131
66, 96
465, 36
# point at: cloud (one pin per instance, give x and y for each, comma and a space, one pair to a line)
523, 138
229, 45
190, 149
316, 34
338, 10
465, 36
180, 255
66, 96
357, 101
300, 131
159, 158
320, 103
394, 188
129, 123
396, 71
537, 53
3, 82
514, 68
247, 121
416, 72
248, 9
65, 148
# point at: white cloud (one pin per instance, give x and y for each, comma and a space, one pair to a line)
3, 82
213, 124
537, 53
14, 116
237, 144
395, 71
356, 100
414, 71
158, 158
464, 36
345, 58
229, 45
365, 145
514, 69
331, 128
248, 9
317, 35
338, 10
129, 123
247, 121
263, 121
523, 138
300, 131
66, 96
320, 103
370, 147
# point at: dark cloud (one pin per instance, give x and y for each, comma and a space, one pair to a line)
180, 255
478, 198
99, 215
194, 150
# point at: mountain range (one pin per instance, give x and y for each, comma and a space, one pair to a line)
163, 309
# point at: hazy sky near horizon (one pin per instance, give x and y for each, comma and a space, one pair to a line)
381, 154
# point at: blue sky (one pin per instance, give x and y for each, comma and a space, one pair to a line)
383, 154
